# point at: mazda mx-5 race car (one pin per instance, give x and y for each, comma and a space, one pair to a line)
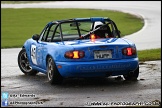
79, 47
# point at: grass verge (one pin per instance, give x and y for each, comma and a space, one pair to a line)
20, 24
17, 25
149, 55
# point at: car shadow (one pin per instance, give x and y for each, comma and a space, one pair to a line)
41, 79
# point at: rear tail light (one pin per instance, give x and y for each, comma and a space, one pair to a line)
74, 54
69, 54
129, 51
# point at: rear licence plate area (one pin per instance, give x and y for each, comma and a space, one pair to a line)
103, 54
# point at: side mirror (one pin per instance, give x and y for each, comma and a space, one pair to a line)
36, 37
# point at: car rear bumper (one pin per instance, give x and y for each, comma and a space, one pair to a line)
97, 68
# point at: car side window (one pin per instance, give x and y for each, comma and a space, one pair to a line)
44, 34
56, 35
48, 33
51, 31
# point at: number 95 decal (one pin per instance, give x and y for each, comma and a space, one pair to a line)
33, 54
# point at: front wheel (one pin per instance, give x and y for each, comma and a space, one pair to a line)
24, 65
54, 76
133, 75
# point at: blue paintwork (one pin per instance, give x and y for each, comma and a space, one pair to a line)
97, 68
119, 64
87, 66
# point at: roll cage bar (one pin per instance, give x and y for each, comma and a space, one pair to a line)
76, 20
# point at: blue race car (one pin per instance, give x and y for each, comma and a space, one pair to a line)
79, 47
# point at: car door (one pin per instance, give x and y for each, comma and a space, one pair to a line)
38, 48
42, 45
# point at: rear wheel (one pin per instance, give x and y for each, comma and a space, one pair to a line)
133, 75
24, 65
54, 76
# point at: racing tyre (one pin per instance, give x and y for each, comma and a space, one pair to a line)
132, 76
24, 65
54, 76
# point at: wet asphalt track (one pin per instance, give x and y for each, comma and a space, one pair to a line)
79, 92
83, 92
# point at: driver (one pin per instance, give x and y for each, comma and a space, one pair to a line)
103, 32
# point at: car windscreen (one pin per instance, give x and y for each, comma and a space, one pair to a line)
73, 30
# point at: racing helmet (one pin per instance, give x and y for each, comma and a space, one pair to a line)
97, 24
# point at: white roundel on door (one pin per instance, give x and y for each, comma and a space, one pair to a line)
33, 54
